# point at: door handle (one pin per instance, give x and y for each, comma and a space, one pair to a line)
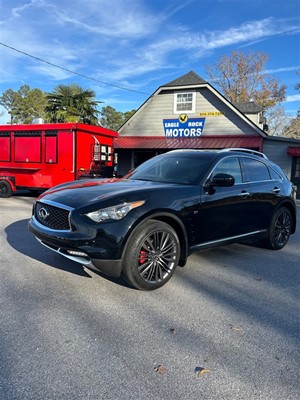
244, 194
276, 190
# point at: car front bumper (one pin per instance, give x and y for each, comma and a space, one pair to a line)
81, 251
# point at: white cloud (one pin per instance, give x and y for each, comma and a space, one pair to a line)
116, 18
293, 98
113, 41
217, 39
155, 55
17, 11
283, 69
4, 116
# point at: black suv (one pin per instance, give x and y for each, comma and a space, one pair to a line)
145, 224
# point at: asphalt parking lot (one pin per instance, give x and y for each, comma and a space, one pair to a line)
225, 327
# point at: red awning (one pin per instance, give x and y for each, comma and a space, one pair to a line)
294, 151
203, 142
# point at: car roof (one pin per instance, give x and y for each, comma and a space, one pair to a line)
214, 152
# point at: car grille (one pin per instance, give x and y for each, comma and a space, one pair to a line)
52, 217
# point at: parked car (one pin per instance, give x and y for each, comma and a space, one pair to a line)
143, 225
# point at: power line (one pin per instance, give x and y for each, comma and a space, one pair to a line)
70, 71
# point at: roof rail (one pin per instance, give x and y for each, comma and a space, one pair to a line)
250, 151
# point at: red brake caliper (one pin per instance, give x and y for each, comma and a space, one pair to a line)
143, 257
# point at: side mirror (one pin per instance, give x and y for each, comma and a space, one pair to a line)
222, 180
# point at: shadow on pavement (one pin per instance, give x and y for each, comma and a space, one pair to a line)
24, 242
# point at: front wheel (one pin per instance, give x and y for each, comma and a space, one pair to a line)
151, 256
280, 229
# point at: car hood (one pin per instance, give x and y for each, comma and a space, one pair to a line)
85, 192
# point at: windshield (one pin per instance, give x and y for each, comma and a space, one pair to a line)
176, 168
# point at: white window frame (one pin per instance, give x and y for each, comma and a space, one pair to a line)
193, 107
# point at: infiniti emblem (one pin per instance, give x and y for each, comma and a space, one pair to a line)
43, 213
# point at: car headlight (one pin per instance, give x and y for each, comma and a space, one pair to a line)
115, 213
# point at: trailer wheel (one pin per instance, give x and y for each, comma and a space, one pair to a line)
5, 189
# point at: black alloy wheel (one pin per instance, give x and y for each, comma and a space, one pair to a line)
280, 229
152, 255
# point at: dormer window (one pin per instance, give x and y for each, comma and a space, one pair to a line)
184, 102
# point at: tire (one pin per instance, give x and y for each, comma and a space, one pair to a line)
280, 229
151, 256
5, 189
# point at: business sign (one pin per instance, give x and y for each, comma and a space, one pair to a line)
211, 114
183, 127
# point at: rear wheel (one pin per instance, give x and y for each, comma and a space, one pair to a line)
151, 256
280, 229
5, 189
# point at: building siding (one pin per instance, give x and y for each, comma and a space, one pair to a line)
148, 121
277, 152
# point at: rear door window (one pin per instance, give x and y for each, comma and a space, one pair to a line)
255, 171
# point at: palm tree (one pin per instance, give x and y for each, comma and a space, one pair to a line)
72, 103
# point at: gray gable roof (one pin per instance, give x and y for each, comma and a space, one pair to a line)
191, 78
248, 107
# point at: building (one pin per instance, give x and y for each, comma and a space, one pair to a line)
189, 112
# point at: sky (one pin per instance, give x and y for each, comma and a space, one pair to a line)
124, 50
